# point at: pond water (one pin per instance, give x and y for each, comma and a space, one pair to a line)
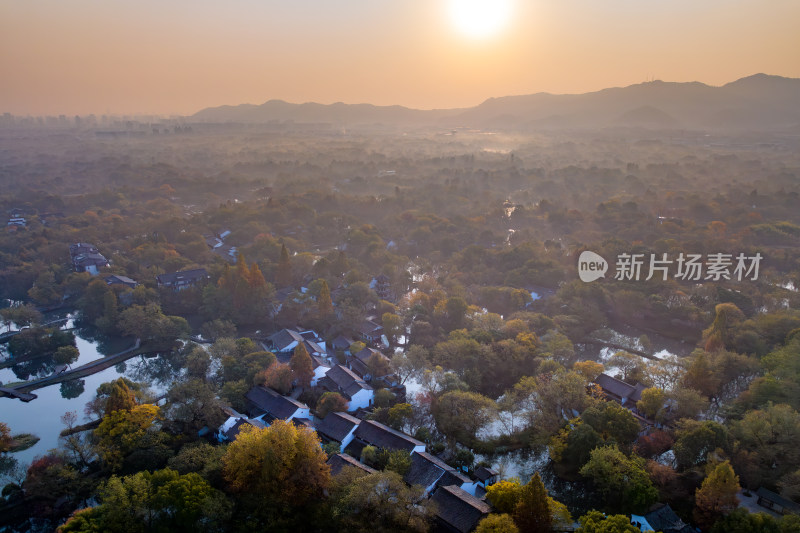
42, 416
522, 464
660, 346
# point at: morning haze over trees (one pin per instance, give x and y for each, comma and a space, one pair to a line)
356, 318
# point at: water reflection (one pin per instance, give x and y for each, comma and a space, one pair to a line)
522, 464
72, 389
42, 416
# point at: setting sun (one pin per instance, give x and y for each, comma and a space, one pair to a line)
480, 18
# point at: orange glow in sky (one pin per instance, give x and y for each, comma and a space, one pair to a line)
177, 57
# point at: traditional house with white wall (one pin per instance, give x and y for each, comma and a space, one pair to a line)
267, 405
347, 383
338, 427
372, 433
430, 472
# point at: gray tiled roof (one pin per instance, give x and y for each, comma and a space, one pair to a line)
341, 343
459, 509
336, 426
125, 280
284, 338
483, 473
345, 381
423, 471
382, 436
341, 460
790, 505
268, 401
619, 388
665, 520
233, 432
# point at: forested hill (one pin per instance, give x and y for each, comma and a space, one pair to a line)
760, 102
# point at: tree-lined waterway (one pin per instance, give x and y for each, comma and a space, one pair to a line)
42, 416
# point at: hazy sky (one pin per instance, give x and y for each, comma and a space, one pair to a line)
179, 56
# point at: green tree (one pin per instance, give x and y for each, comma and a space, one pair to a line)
50, 479
622, 481
549, 396
632, 366
382, 502
66, 355
588, 369
302, 366
283, 274
193, 405
398, 461
100, 404
597, 522
378, 365
573, 447
743, 521
721, 332
161, 501
149, 324
107, 323
392, 326
201, 458
121, 398
767, 442
218, 328
399, 414
688, 403
233, 392
614, 422
652, 402
696, 439
460, 414
558, 347
700, 375
324, 303
532, 512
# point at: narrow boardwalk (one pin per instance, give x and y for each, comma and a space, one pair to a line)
24, 396
85, 370
5, 336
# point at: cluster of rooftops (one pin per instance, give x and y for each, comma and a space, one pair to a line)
460, 499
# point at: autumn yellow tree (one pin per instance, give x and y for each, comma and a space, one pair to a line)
278, 376
717, 495
497, 523
121, 432
281, 464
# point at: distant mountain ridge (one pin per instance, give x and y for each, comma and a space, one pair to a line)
760, 101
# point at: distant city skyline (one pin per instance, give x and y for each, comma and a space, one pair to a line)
147, 57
